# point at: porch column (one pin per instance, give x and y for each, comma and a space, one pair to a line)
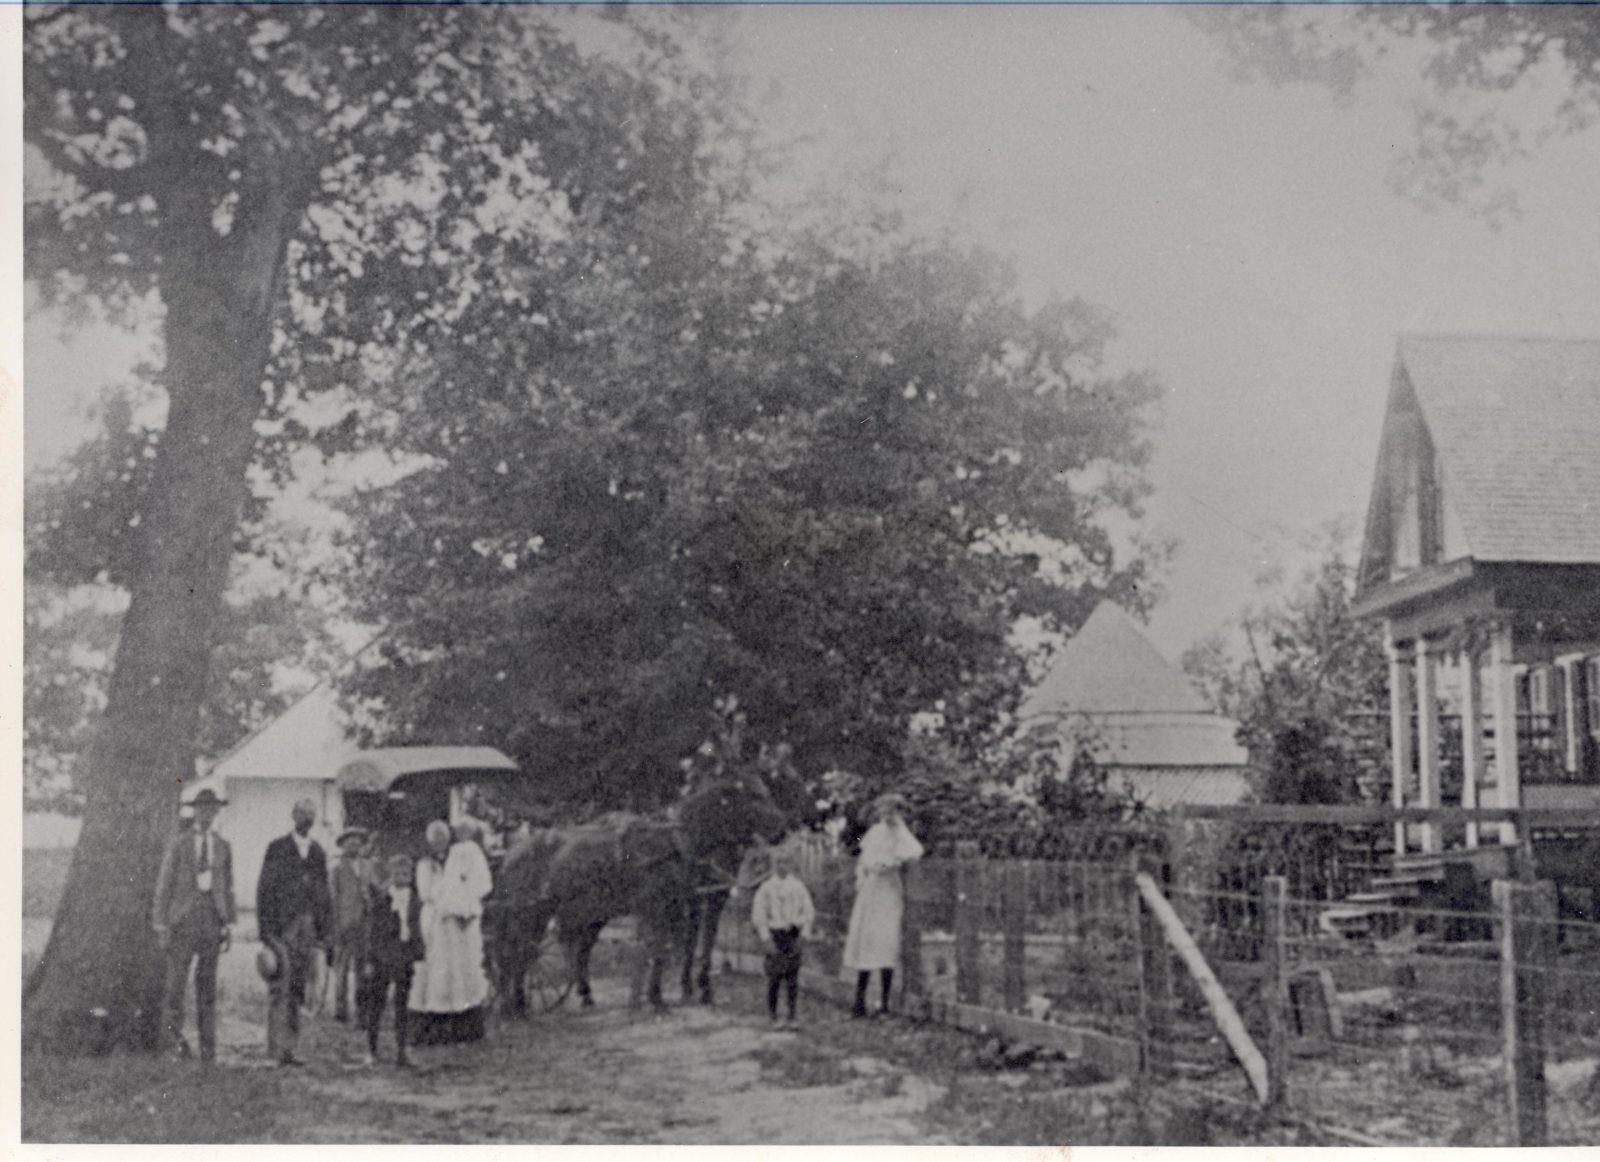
1399, 730
1571, 712
1471, 734
1427, 740
1508, 784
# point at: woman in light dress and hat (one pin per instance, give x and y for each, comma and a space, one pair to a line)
873, 942
450, 987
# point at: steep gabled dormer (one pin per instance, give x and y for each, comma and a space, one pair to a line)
1411, 523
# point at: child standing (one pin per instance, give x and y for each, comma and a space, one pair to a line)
783, 913
391, 946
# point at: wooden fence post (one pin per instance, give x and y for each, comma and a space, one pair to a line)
911, 937
1229, 1023
1175, 836
1275, 984
1014, 924
1078, 892
968, 920
1155, 978
1523, 916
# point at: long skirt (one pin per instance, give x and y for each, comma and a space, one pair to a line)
874, 938
450, 988
445, 1028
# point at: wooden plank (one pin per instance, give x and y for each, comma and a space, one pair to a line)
968, 920
1155, 981
1013, 924
1275, 996
1227, 1018
1567, 799
911, 971
1575, 817
1524, 914
1412, 587
1444, 613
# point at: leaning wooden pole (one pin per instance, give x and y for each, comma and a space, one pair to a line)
1222, 1011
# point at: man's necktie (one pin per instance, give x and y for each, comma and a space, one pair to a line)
205, 854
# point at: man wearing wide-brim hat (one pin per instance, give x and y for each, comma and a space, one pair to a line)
347, 886
193, 916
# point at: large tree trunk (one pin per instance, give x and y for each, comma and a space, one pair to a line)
99, 981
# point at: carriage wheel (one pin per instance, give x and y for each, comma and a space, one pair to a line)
548, 984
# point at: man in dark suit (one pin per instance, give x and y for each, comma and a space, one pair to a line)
390, 946
193, 915
295, 915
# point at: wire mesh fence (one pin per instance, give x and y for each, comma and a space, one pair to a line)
1471, 1025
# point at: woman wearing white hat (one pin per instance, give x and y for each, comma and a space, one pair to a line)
873, 943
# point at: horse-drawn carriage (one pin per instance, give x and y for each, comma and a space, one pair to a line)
393, 793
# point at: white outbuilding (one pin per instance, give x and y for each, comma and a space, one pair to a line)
306, 753
1141, 718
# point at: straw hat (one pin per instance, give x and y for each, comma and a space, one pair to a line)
269, 960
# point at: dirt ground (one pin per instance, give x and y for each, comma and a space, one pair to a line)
607, 1075
694, 1075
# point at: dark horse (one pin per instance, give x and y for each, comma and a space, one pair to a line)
673, 875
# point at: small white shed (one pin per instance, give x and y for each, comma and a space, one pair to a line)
295, 756
305, 753
1148, 727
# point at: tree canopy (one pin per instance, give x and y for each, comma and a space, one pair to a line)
1499, 80
821, 471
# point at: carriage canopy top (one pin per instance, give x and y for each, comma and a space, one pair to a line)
378, 770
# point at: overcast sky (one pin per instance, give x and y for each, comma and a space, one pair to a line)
1243, 234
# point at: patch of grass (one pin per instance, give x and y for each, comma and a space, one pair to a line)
802, 1065
146, 1099
1055, 1104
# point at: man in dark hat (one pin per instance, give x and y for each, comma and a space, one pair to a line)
347, 885
294, 915
193, 915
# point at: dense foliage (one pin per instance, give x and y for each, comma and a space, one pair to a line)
820, 471
1311, 694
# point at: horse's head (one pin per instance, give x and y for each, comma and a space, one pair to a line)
727, 812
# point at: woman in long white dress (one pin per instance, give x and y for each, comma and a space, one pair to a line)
450, 988
873, 942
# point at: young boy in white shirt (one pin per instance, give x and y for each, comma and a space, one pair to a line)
782, 913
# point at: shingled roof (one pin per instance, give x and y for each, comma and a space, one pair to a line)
1516, 425
1111, 688
1110, 666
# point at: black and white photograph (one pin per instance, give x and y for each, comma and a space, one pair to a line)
635, 573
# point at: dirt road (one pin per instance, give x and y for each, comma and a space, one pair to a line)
607, 1075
